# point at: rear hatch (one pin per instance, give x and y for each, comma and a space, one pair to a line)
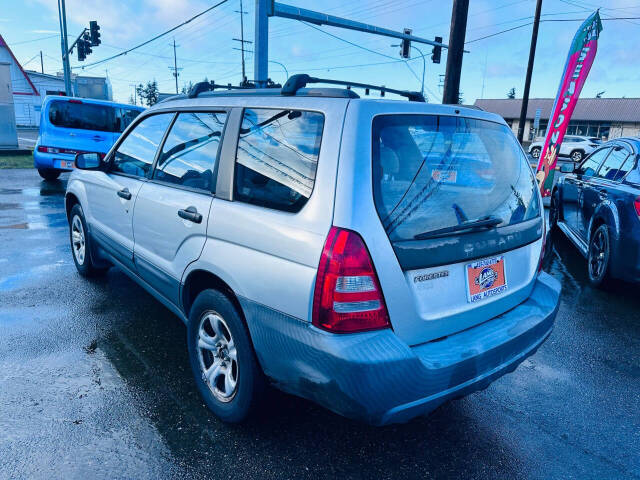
460, 206
78, 126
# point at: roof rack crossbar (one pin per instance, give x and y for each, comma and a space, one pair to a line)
202, 87
298, 81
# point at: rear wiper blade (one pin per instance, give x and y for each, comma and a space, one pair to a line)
484, 222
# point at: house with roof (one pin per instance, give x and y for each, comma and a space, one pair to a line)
604, 118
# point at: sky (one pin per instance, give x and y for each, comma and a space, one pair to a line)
492, 67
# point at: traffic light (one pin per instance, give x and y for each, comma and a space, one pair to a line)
94, 30
405, 46
81, 51
437, 51
87, 44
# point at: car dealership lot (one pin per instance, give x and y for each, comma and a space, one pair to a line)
95, 380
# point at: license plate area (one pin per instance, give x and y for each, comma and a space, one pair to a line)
485, 278
64, 164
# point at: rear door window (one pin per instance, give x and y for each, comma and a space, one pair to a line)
432, 173
135, 154
83, 116
190, 152
277, 157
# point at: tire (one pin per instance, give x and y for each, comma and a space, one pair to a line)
599, 257
576, 156
535, 152
80, 243
49, 174
231, 387
554, 211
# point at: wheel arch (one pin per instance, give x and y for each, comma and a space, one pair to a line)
198, 280
70, 199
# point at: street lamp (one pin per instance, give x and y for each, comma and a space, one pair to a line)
424, 65
282, 65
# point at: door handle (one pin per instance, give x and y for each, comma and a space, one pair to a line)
124, 193
191, 214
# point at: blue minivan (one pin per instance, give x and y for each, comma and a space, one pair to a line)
69, 126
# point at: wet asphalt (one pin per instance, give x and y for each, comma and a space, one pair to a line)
95, 383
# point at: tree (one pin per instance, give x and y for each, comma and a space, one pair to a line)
186, 88
148, 93
512, 93
132, 100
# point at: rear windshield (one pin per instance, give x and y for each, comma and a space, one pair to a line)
434, 172
90, 116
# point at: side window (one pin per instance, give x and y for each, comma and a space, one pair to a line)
190, 152
593, 161
277, 157
135, 154
612, 166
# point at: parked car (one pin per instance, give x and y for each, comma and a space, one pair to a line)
304, 240
597, 206
573, 147
74, 125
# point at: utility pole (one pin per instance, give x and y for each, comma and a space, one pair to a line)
242, 42
175, 65
457, 34
135, 93
527, 82
65, 47
41, 63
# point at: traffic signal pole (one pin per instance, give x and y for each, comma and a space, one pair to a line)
65, 48
457, 34
261, 44
527, 82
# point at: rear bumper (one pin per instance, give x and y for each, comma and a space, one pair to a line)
377, 378
51, 160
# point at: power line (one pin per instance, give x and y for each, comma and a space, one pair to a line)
35, 39
156, 37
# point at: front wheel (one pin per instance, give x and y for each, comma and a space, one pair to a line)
599, 256
224, 365
81, 244
49, 174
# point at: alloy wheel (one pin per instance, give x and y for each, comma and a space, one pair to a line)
218, 356
598, 254
78, 240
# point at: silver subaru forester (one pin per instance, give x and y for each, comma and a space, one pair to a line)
375, 256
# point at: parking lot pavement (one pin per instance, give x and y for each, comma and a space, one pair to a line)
95, 383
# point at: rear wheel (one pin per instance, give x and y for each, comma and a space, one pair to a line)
49, 174
577, 156
599, 256
535, 152
224, 365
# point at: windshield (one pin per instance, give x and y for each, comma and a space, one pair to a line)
434, 172
90, 116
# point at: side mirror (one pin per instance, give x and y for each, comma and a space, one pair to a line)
566, 168
89, 161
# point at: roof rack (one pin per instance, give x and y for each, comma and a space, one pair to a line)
202, 87
298, 81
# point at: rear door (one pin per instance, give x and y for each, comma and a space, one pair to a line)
573, 188
111, 196
461, 210
172, 209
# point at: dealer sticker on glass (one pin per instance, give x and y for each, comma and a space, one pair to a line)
485, 278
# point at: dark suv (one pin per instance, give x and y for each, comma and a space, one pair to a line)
597, 205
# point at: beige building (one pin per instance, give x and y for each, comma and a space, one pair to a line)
604, 118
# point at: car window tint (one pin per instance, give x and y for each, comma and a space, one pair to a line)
190, 152
126, 116
628, 165
135, 154
83, 116
613, 164
277, 157
591, 164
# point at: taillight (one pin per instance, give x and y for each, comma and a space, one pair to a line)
347, 296
68, 151
636, 205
